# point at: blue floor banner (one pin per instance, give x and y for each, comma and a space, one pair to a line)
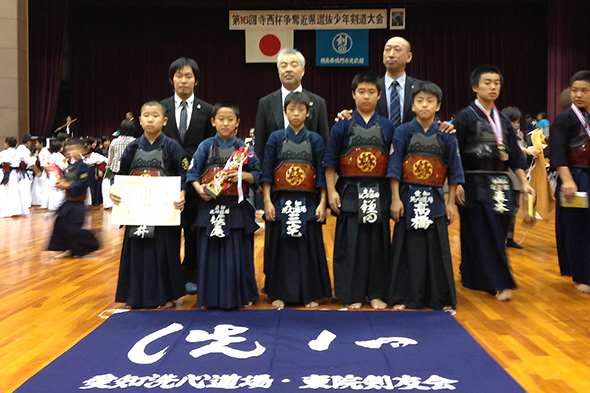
275, 351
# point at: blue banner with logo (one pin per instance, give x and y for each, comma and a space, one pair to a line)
342, 48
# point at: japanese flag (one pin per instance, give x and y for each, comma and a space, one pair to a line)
262, 46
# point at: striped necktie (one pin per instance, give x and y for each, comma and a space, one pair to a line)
394, 108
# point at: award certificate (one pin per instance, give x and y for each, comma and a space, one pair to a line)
146, 200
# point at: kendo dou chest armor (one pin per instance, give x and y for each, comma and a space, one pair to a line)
482, 154
578, 150
296, 167
366, 153
148, 163
216, 161
424, 162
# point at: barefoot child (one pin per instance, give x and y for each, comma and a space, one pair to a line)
358, 150
488, 147
150, 274
295, 208
225, 224
422, 270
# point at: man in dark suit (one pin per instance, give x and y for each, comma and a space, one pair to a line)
270, 116
396, 55
397, 107
189, 123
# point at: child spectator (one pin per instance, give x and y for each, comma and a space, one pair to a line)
150, 274
55, 196
226, 223
15, 191
358, 150
68, 235
488, 147
423, 158
570, 154
294, 189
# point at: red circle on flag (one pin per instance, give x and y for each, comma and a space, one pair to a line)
270, 45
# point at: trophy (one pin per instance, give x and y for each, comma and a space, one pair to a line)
235, 162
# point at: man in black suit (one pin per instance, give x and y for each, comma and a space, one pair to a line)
396, 55
189, 123
270, 116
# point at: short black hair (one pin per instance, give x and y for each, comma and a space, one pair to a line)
11, 141
179, 64
62, 136
77, 141
42, 140
25, 139
427, 87
485, 69
55, 146
583, 75
153, 103
298, 98
366, 77
512, 112
127, 128
542, 114
225, 104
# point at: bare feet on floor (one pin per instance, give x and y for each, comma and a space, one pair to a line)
278, 303
399, 307
354, 306
582, 287
504, 295
65, 254
248, 305
312, 304
378, 304
167, 305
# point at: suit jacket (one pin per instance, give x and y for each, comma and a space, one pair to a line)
269, 118
381, 108
199, 129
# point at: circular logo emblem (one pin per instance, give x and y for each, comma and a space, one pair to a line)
422, 169
342, 43
295, 175
366, 162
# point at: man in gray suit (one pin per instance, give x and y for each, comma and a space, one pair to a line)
189, 123
270, 116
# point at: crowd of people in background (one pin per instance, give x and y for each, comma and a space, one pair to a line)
389, 158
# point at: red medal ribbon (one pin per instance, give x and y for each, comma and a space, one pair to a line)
496, 124
582, 119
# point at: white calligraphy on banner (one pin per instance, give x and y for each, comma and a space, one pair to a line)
224, 335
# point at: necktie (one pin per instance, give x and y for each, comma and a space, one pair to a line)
394, 108
182, 123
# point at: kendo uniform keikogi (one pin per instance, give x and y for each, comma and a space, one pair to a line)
225, 230
294, 256
422, 269
67, 231
150, 273
570, 146
485, 214
359, 152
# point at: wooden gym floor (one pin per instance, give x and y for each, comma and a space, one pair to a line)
541, 337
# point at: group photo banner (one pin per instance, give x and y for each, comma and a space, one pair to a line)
309, 19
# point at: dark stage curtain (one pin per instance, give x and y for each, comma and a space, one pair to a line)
121, 55
47, 37
568, 47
